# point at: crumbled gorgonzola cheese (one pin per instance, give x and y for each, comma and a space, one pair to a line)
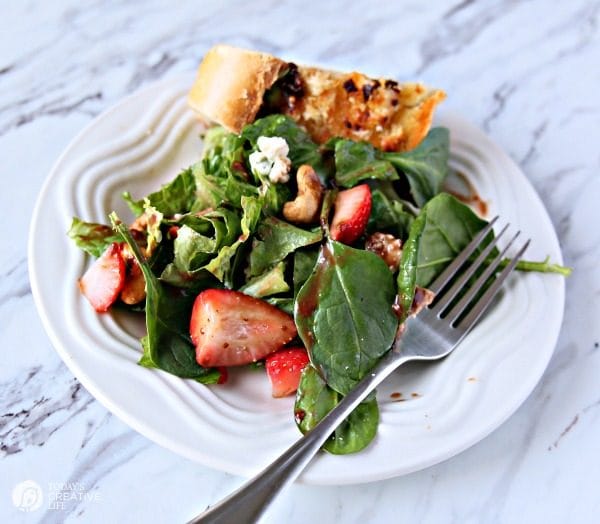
271, 159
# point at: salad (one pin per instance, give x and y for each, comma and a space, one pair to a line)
274, 252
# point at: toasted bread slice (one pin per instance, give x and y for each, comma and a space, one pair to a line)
235, 85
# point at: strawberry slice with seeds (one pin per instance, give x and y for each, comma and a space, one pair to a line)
284, 368
230, 328
351, 214
104, 280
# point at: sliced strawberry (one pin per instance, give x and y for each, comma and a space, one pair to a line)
103, 281
224, 375
352, 210
233, 329
284, 368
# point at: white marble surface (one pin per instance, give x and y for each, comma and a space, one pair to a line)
527, 72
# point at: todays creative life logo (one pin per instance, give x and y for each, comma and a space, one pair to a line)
28, 496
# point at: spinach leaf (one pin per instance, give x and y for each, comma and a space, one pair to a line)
441, 231
167, 345
315, 399
269, 283
407, 271
388, 216
357, 161
426, 166
344, 314
302, 149
277, 240
449, 225
178, 196
304, 263
92, 238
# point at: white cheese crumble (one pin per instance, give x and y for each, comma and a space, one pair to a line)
271, 159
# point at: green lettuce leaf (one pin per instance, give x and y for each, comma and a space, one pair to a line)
221, 266
269, 283
92, 238
178, 196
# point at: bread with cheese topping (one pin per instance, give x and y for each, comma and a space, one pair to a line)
234, 86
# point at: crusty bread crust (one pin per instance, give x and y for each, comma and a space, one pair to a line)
231, 84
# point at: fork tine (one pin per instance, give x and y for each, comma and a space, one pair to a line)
439, 283
482, 304
458, 308
449, 295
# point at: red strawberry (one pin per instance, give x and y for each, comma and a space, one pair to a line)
103, 281
352, 210
224, 375
233, 329
172, 232
284, 368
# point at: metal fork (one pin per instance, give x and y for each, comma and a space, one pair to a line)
430, 335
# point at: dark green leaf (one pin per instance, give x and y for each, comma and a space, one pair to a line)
388, 216
358, 161
285, 304
344, 314
407, 271
304, 263
302, 149
92, 238
276, 240
315, 399
167, 345
449, 225
426, 166
213, 190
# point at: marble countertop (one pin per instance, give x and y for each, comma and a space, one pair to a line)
526, 72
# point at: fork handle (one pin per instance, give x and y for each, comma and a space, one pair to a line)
249, 502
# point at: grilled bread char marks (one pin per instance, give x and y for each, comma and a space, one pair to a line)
233, 86
389, 115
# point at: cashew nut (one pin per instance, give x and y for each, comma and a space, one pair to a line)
304, 209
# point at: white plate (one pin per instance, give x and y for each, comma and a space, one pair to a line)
141, 143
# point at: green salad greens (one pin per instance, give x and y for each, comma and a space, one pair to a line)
220, 224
